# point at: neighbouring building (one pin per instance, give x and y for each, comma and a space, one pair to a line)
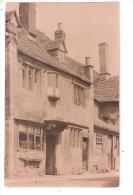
61, 116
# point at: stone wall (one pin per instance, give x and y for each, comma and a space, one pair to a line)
37, 106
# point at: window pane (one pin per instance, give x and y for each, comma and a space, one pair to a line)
50, 79
38, 143
23, 140
37, 76
56, 80
31, 141
24, 76
30, 79
79, 95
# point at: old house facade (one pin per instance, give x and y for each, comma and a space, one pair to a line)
57, 119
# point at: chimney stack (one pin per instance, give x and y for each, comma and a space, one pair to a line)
88, 69
87, 61
59, 33
27, 15
104, 60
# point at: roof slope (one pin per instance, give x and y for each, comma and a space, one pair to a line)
105, 126
36, 48
107, 90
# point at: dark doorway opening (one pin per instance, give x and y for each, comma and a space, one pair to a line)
110, 155
50, 154
85, 150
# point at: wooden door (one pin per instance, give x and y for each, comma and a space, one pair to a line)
50, 154
110, 152
85, 145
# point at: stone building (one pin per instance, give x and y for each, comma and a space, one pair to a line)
61, 115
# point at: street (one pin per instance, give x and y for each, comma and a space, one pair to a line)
66, 181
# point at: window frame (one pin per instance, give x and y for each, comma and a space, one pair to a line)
99, 139
55, 78
31, 131
79, 94
31, 80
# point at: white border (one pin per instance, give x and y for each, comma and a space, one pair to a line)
126, 108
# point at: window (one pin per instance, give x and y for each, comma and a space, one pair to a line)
53, 91
37, 78
79, 95
23, 140
24, 76
99, 139
31, 139
52, 80
31, 77
99, 143
116, 143
38, 139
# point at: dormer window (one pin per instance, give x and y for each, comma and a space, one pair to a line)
53, 91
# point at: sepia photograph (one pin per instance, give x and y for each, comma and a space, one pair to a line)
62, 94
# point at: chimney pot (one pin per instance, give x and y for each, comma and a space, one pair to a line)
87, 61
60, 25
88, 69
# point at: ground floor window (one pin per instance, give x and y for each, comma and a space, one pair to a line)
30, 137
99, 142
23, 140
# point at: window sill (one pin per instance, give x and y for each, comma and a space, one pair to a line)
53, 94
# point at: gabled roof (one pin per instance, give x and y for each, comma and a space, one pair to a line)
56, 44
37, 48
10, 14
107, 90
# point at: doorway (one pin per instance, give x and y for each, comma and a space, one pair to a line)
110, 153
85, 149
50, 155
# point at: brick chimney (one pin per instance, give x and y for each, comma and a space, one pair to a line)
27, 15
104, 60
88, 69
59, 33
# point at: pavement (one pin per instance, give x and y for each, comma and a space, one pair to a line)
110, 179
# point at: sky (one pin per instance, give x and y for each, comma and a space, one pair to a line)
85, 25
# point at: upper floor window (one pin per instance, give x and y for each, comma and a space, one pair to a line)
24, 76
31, 77
52, 79
53, 85
79, 95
